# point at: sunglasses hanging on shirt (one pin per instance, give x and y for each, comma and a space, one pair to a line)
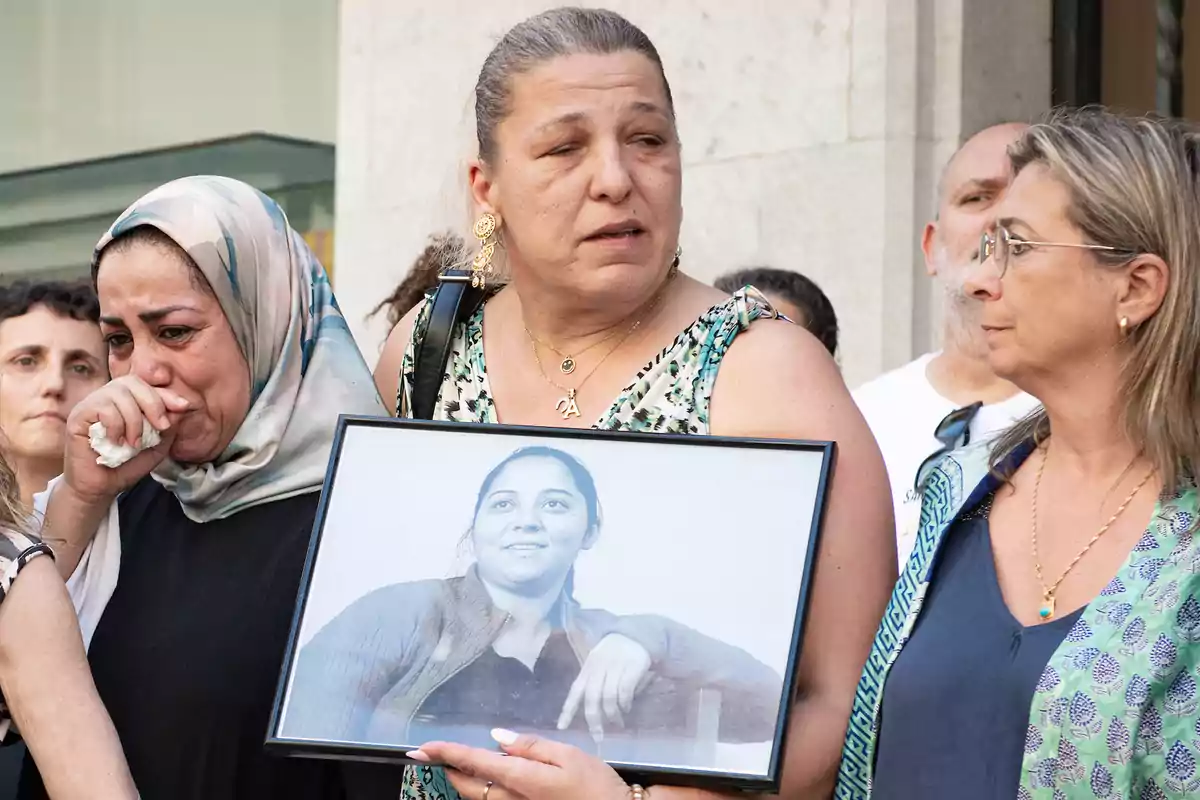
953, 432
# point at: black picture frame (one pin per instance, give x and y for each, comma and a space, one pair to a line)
765, 478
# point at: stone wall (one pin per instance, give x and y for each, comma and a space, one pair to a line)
813, 134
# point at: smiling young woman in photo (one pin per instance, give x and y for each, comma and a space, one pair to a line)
507, 644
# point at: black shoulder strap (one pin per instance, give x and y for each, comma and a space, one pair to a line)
454, 301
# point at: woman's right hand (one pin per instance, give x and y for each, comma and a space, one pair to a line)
529, 768
120, 405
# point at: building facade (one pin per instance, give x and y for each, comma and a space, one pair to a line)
813, 132
102, 100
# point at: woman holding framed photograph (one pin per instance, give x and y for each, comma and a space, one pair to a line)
576, 194
508, 646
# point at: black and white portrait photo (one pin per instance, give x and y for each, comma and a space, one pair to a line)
638, 600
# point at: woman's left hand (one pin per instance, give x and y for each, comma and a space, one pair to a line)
530, 768
607, 683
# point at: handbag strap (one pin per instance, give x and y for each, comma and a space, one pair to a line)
454, 301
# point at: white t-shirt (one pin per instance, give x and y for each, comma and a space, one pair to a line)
903, 409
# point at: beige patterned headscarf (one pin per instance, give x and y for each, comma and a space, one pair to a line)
305, 369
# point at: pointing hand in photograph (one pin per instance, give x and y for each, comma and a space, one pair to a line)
607, 684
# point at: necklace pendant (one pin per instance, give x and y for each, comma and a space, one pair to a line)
1047, 610
567, 406
567, 366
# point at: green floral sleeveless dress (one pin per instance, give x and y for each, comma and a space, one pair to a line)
670, 394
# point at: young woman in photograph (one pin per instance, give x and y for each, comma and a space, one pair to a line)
508, 645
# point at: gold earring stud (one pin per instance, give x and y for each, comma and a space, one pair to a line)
481, 266
1124, 325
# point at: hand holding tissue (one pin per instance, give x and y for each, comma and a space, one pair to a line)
114, 454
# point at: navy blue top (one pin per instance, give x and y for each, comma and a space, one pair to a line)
956, 702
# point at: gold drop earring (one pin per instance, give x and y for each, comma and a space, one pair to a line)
481, 266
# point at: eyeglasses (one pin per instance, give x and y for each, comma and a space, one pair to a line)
952, 432
1002, 244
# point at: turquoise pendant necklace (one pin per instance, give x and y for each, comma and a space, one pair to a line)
1046, 612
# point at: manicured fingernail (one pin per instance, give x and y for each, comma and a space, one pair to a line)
504, 736
417, 755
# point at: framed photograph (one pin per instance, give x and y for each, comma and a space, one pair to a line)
640, 596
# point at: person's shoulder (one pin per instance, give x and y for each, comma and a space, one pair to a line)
392, 604
146, 500
777, 380
901, 380
781, 354
297, 506
294, 514
390, 368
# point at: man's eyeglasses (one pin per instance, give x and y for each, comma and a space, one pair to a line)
952, 432
1001, 244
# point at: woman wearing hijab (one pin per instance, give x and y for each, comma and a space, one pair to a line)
226, 344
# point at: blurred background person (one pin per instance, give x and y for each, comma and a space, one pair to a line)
794, 295
946, 398
51, 356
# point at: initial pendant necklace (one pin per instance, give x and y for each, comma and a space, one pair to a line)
1046, 612
567, 406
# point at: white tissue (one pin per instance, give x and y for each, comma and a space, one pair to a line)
113, 455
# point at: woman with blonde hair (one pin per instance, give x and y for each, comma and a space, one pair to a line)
48, 695
1042, 639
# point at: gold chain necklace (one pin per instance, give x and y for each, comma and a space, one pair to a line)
1047, 610
569, 361
568, 407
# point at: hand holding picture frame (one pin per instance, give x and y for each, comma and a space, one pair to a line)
639, 596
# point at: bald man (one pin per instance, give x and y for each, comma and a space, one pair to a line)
918, 409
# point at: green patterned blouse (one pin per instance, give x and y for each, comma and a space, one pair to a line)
1114, 714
